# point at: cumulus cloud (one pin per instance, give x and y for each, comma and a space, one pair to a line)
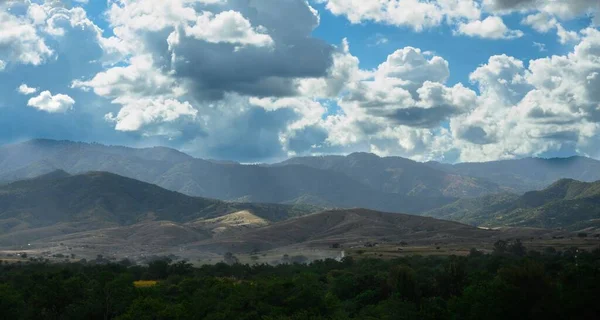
247, 80
491, 27
541, 22
47, 102
138, 79
566, 36
20, 41
137, 113
26, 90
250, 48
562, 9
228, 27
415, 14
550, 105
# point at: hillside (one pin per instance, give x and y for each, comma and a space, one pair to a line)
231, 223
528, 174
63, 203
348, 227
399, 175
567, 203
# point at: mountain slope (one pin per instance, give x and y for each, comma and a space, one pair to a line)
399, 175
567, 204
528, 174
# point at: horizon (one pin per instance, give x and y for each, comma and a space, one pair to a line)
285, 159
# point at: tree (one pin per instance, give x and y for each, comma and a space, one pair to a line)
230, 259
517, 248
403, 282
474, 253
11, 303
500, 247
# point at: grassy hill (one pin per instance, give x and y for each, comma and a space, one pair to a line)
567, 204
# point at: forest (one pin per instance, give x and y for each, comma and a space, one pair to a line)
510, 283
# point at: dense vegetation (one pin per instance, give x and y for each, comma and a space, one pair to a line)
509, 284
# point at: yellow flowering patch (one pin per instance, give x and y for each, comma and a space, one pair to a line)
145, 283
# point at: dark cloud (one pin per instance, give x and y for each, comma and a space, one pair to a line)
214, 69
474, 134
511, 4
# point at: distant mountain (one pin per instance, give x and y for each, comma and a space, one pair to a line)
170, 169
568, 203
527, 174
399, 175
391, 184
63, 203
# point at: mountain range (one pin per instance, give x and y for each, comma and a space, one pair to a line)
364, 180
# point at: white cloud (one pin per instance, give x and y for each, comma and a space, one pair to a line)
491, 27
544, 22
20, 41
541, 22
26, 90
549, 106
139, 79
566, 36
138, 113
227, 27
540, 46
45, 101
415, 14
563, 9
2, 65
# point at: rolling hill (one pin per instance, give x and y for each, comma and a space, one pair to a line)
567, 203
62, 203
348, 227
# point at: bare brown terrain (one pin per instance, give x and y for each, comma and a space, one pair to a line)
329, 234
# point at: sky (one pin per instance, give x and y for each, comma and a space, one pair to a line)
264, 80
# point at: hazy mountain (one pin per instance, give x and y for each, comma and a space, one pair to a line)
528, 174
364, 180
567, 204
399, 175
196, 177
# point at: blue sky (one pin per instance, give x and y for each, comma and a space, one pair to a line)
445, 80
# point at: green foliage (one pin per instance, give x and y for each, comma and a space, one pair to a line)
557, 285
